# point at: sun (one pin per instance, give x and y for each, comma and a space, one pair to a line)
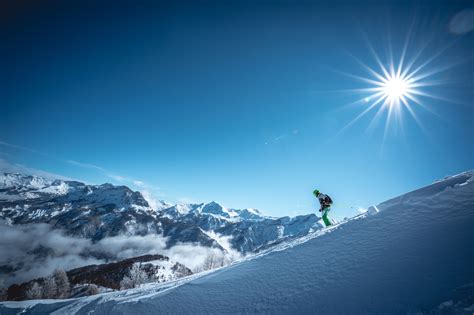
395, 89
394, 86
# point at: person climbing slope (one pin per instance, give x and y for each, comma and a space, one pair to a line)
326, 203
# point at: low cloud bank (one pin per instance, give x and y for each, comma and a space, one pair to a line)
36, 250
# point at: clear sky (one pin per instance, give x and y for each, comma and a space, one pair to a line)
246, 103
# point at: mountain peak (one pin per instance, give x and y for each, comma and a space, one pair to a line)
16, 179
214, 208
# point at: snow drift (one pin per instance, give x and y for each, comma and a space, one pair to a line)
410, 257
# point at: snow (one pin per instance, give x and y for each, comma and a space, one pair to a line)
20, 187
58, 188
216, 209
373, 210
410, 257
10, 198
223, 240
250, 214
211, 209
166, 271
12, 180
177, 211
29, 187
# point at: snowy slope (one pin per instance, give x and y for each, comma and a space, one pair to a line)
410, 257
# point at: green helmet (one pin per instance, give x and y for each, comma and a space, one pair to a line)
316, 192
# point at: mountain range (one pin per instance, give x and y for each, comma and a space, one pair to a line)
103, 213
99, 211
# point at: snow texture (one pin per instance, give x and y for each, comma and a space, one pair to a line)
408, 258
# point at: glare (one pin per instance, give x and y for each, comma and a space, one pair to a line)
396, 88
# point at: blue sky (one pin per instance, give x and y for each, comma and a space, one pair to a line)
245, 103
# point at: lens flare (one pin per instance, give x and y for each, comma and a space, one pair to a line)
394, 87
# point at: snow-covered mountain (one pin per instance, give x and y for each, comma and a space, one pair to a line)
415, 256
187, 211
99, 211
248, 228
19, 189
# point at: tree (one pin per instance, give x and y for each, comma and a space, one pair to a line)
92, 289
134, 278
3, 294
126, 283
35, 291
3, 291
217, 258
50, 289
62, 283
209, 262
213, 260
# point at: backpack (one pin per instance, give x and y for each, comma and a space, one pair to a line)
328, 200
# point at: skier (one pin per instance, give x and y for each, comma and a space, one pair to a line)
326, 203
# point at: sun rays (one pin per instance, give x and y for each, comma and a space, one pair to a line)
394, 87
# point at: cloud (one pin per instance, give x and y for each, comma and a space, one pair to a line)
86, 165
117, 178
139, 183
191, 255
149, 192
280, 137
283, 137
223, 240
462, 22
102, 170
19, 147
152, 201
8, 167
36, 250
122, 246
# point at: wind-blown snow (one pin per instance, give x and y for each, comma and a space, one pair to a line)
409, 257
